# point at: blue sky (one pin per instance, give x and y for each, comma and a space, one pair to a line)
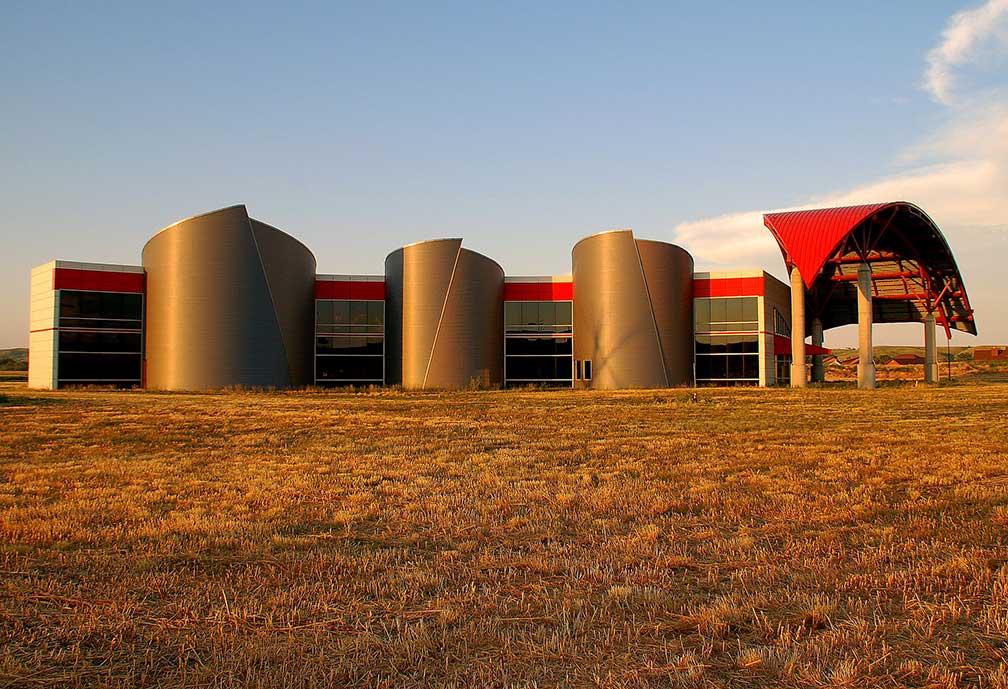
358, 128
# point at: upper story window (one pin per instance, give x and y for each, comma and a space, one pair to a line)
781, 326
726, 314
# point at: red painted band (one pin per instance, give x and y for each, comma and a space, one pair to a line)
97, 280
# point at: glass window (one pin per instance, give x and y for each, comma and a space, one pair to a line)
513, 315
358, 312
376, 312
133, 306
578, 370
701, 315
323, 312
564, 313
341, 312
69, 304
734, 310
587, 369
349, 368
530, 314
719, 310
97, 367
547, 313
76, 341
750, 309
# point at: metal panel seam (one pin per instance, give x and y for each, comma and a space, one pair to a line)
444, 306
654, 319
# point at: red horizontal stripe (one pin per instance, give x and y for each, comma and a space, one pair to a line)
349, 289
728, 287
782, 345
538, 291
97, 280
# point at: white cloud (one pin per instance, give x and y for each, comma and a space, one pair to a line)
969, 36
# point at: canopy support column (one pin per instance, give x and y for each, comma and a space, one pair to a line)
799, 375
866, 361
818, 369
930, 350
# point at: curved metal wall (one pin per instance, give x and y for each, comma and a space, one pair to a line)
230, 301
633, 311
668, 271
444, 316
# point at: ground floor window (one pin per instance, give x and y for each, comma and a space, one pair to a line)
727, 359
543, 360
783, 364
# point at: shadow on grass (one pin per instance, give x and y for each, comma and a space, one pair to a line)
8, 401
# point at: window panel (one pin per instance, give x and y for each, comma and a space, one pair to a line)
376, 313
530, 314
701, 315
76, 341
733, 308
86, 366
547, 313
341, 312
323, 312
513, 315
750, 366
564, 313
354, 368
719, 310
750, 309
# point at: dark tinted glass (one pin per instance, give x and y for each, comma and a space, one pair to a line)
358, 312
341, 312
99, 367
539, 345
588, 369
376, 312
750, 366
323, 312
76, 341
352, 368
133, 306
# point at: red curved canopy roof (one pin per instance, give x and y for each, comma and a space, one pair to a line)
913, 270
808, 238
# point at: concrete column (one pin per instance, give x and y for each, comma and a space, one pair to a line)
930, 350
866, 362
818, 369
799, 375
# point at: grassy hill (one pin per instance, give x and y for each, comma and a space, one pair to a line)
14, 359
749, 538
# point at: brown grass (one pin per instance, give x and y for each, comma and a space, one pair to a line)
712, 538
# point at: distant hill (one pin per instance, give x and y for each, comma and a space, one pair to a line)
14, 359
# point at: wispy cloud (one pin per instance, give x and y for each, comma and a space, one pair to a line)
971, 35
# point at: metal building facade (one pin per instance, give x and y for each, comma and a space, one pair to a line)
633, 312
444, 315
230, 302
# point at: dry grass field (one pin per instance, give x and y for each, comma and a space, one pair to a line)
725, 538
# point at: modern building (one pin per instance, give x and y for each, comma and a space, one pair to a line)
223, 300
